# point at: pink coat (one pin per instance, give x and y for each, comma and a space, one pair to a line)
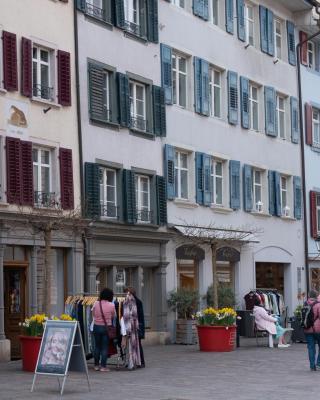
264, 321
316, 314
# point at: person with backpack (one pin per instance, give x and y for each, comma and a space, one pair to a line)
310, 315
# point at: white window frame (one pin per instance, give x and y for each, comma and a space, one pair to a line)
131, 13
312, 52
212, 87
216, 23
139, 207
285, 209
253, 101
179, 3
39, 63
104, 202
279, 112
177, 73
41, 165
257, 207
315, 122
276, 36
177, 173
248, 21
139, 121
214, 178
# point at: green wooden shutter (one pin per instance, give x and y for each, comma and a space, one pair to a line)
159, 111
270, 22
161, 200
247, 188
143, 29
297, 192
245, 114
166, 72
92, 190
169, 157
234, 181
241, 21
123, 99
119, 10
270, 110
229, 15
263, 28
152, 21
97, 94
207, 181
129, 197
232, 97
294, 120
81, 5
291, 43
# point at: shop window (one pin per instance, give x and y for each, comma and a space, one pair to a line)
187, 271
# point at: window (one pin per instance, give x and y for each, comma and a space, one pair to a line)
315, 127
179, 3
311, 55
278, 37
249, 23
257, 190
41, 73
179, 80
42, 178
131, 15
215, 92
284, 200
215, 12
181, 175
142, 184
217, 182
138, 106
318, 214
254, 107
281, 117
108, 192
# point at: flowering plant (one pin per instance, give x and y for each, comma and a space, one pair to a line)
34, 325
219, 317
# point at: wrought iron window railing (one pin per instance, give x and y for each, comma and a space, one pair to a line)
43, 92
45, 199
109, 211
138, 123
132, 27
144, 216
97, 12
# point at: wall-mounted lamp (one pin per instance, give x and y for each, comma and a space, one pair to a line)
247, 45
275, 61
45, 110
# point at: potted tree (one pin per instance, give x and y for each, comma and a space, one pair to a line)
185, 303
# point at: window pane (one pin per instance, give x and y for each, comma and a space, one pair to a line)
282, 125
215, 12
140, 108
182, 64
283, 183
35, 178
251, 39
184, 184
219, 168
34, 52
281, 103
111, 178
255, 117
217, 108
44, 55
182, 90
45, 157
45, 183
111, 194
254, 92
184, 160
218, 191
217, 76
144, 184
257, 193
140, 92
257, 176
174, 87
35, 155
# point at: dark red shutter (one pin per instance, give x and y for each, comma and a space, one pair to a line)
303, 48
64, 78
313, 214
66, 179
27, 194
10, 73
308, 123
13, 156
26, 67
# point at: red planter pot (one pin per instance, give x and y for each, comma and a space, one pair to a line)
30, 347
216, 338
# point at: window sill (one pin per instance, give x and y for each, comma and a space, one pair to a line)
98, 21
45, 102
145, 134
261, 214
287, 218
220, 209
133, 36
47, 209
3, 204
185, 203
103, 123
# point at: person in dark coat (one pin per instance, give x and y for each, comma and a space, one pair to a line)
141, 322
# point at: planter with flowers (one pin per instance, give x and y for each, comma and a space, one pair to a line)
216, 329
30, 339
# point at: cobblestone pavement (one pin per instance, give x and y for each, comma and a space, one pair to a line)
177, 372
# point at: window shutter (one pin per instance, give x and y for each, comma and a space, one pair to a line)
166, 72
247, 188
205, 15
199, 177
277, 190
304, 48
97, 99
119, 10
234, 170
124, 99
13, 158
270, 110
129, 197
241, 21
308, 122
81, 5
244, 87
27, 193
204, 87
317, 57
229, 16
291, 43
232, 97
272, 193
197, 84
92, 189
169, 156
270, 32
143, 18
10, 72
313, 214
297, 197
66, 179
153, 24
294, 120
64, 78
26, 67
161, 200
263, 29
159, 111
207, 181
197, 7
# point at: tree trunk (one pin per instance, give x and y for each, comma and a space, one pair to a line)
214, 275
47, 270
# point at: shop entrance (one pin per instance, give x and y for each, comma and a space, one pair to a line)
270, 276
14, 305
187, 271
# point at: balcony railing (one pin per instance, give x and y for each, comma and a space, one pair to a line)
43, 92
45, 199
97, 12
109, 211
138, 123
144, 216
132, 27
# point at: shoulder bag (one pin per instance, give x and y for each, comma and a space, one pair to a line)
110, 329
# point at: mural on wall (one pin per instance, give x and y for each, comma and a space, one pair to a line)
16, 115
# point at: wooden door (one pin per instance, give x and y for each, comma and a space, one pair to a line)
14, 305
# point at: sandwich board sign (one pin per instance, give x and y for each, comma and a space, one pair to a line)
61, 351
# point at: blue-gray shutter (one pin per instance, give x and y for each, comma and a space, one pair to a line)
123, 99
159, 111
291, 43
119, 10
234, 171
129, 197
232, 97
277, 189
241, 21
207, 181
245, 112
197, 84
247, 188
169, 156
205, 15
199, 177
197, 6
270, 32
92, 190
161, 200
201, 86
297, 193
81, 5
229, 16
270, 110
317, 56
294, 120
166, 72
263, 28
272, 194
152, 21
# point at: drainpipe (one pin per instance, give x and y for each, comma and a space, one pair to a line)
303, 177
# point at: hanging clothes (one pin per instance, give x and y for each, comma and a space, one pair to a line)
131, 325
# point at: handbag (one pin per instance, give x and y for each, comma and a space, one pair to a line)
110, 329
